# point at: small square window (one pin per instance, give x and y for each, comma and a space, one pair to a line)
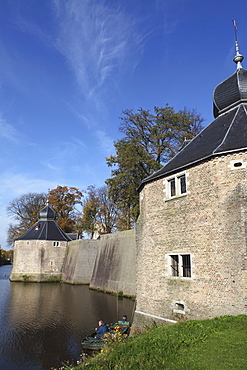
180, 265
176, 186
56, 244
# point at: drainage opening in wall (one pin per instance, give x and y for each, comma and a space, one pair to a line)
179, 308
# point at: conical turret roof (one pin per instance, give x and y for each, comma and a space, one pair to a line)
46, 228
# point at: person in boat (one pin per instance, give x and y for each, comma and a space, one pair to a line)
121, 326
101, 330
123, 321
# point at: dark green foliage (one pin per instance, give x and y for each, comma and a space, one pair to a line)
150, 140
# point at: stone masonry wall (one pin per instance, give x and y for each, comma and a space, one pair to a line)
79, 262
115, 264
210, 224
37, 260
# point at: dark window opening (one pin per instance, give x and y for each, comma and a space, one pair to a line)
172, 187
180, 265
177, 186
174, 265
186, 265
182, 180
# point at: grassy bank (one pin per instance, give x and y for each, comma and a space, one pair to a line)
219, 343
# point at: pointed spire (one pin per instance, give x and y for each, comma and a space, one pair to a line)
238, 57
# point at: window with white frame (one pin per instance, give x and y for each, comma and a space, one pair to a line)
176, 186
56, 244
180, 265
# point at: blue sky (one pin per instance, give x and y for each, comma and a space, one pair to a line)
69, 67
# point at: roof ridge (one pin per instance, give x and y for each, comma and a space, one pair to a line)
229, 128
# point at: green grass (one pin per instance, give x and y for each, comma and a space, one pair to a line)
220, 343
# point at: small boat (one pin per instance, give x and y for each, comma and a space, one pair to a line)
95, 344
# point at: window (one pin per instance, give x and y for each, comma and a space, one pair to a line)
172, 187
56, 244
182, 184
174, 265
176, 186
180, 265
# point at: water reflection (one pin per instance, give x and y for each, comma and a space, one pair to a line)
42, 324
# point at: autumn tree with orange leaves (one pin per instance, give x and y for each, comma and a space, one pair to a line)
24, 210
64, 201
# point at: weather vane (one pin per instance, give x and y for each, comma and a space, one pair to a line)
238, 57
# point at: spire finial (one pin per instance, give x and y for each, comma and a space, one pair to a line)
238, 57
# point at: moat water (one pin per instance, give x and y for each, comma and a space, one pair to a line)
42, 324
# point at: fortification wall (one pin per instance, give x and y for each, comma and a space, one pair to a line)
107, 263
115, 264
37, 260
79, 261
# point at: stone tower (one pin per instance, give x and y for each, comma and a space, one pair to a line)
39, 253
192, 228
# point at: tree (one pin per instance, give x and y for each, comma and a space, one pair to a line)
99, 212
90, 208
6, 257
24, 210
64, 200
107, 211
150, 140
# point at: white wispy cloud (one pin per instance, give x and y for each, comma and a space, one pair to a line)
97, 39
105, 142
63, 154
8, 132
14, 184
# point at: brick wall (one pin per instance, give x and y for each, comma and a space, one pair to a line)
210, 224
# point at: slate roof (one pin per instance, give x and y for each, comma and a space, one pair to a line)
227, 133
45, 228
230, 92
